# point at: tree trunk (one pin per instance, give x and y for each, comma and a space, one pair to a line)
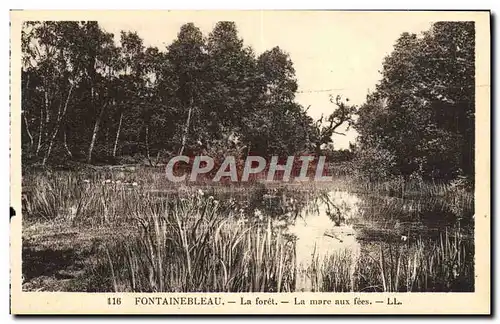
40, 132
186, 128
51, 143
318, 148
117, 135
24, 100
94, 134
66, 146
147, 145
60, 116
157, 158
47, 112
28, 131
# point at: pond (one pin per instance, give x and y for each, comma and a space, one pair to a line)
275, 239
347, 228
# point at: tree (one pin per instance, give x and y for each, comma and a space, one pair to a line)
343, 115
100, 68
86, 98
51, 73
187, 66
233, 91
274, 123
421, 114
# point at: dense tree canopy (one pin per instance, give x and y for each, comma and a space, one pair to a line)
88, 96
89, 99
420, 119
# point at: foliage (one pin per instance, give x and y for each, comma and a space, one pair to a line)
420, 119
88, 98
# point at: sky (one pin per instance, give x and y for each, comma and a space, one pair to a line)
337, 53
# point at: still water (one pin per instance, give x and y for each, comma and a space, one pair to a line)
339, 224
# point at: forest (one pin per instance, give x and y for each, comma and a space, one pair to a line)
90, 97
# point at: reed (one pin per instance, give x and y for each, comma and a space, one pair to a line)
425, 265
195, 244
203, 239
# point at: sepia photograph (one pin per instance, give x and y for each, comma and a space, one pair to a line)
252, 152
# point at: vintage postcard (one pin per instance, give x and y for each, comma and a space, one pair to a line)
250, 162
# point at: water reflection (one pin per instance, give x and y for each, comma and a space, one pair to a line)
324, 229
333, 226
321, 236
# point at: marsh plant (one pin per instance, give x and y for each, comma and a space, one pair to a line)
197, 244
216, 240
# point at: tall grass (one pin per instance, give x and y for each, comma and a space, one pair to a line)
195, 244
69, 199
339, 272
205, 248
191, 242
424, 265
